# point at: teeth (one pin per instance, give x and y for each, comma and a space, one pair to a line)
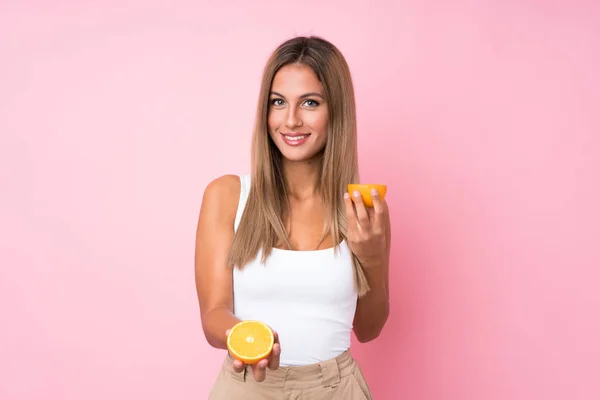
295, 138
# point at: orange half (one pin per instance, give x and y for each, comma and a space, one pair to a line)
365, 191
250, 341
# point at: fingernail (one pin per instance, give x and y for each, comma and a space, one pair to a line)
374, 192
346, 195
356, 193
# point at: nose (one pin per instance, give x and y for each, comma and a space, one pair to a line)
293, 118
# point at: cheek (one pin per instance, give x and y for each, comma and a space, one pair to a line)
272, 123
319, 123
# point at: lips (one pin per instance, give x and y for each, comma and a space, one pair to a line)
295, 139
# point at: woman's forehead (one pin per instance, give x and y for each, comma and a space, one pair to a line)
296, 80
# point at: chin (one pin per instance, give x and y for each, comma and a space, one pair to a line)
298, 155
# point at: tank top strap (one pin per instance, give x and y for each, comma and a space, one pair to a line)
244, 191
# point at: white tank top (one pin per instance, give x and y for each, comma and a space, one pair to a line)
307, 297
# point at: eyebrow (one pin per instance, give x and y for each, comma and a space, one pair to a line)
311, 94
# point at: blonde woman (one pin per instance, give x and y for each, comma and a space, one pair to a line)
286, 245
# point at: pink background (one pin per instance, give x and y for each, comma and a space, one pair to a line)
482, 116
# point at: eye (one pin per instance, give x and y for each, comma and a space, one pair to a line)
311, 103
277, 102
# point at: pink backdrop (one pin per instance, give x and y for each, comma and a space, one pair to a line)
481, 116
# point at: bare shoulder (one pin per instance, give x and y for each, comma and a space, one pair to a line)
223, 187
221, 195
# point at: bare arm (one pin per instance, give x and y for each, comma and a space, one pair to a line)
372, 310
370, 239
214, 279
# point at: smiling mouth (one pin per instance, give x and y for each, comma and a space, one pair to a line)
295, 137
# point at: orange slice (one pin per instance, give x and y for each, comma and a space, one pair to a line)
365, 191
250, 341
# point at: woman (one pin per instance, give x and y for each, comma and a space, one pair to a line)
288, 246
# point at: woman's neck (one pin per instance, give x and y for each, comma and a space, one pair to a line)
302, 178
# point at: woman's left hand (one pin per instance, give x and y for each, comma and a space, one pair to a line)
368, 228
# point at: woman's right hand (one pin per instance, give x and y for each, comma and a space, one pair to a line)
259, 370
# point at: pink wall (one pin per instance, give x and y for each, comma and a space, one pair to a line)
481, 116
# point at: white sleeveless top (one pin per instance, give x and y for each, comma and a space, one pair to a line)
307, 297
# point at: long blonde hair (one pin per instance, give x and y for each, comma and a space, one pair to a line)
261, 226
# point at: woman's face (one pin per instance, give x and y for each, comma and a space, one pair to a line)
298, 113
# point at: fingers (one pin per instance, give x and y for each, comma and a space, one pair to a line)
259, 370
275, 353
274, 359
350, 214
238, 366
378, 211
361, 211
